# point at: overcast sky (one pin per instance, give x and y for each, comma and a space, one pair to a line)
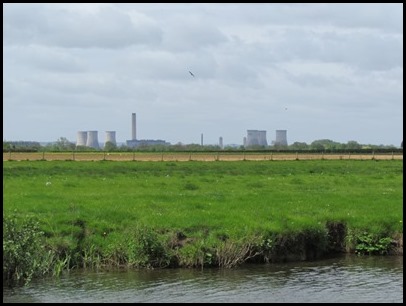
319, 71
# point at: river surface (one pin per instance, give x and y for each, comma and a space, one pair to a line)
347, 279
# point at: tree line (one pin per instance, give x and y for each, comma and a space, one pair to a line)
327, 145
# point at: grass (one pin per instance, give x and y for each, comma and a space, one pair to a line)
97, 206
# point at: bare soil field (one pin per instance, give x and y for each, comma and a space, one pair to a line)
193, 156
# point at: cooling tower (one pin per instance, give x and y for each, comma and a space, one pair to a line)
81, 138
111, 137
252, 138
262, 138
92, 140
281, 138
134, 127
256, 138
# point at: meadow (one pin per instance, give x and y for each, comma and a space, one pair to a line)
195, 213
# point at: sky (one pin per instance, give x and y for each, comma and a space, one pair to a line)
319, 71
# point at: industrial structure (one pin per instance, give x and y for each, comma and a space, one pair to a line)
134, 142
110, 137
134, 127
281, 138
92, 139
81, 138
221, 143
256, 138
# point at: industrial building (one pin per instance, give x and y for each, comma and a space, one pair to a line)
134, 142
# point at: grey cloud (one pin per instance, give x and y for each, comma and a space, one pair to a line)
191, 35
107, 27
367, 50
41, 57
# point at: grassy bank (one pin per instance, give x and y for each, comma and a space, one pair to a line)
195, 214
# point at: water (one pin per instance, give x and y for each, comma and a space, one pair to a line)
344, 280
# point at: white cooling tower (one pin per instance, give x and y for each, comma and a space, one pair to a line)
134, 127
111, 137
281, 138
81, 138
92, 140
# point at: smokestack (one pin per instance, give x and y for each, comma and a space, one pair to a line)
134, 127
201, 139
92, 140
221, 142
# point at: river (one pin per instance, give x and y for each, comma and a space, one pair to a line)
346, 279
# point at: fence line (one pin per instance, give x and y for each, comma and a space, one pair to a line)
194, 156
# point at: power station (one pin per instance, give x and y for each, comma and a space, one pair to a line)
254, 138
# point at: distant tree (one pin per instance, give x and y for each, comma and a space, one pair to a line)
325, 144
109, 146
62, 144
7, 146
353, 145
299, 146
317, 145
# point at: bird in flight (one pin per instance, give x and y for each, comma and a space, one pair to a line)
191, 74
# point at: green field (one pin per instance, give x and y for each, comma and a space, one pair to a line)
195, 212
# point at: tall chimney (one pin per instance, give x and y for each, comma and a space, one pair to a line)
134, 127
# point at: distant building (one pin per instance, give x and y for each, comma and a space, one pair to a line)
146, 142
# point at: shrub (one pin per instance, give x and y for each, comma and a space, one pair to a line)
23, 254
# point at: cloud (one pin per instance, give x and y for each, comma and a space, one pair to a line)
62, 26
89, 66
